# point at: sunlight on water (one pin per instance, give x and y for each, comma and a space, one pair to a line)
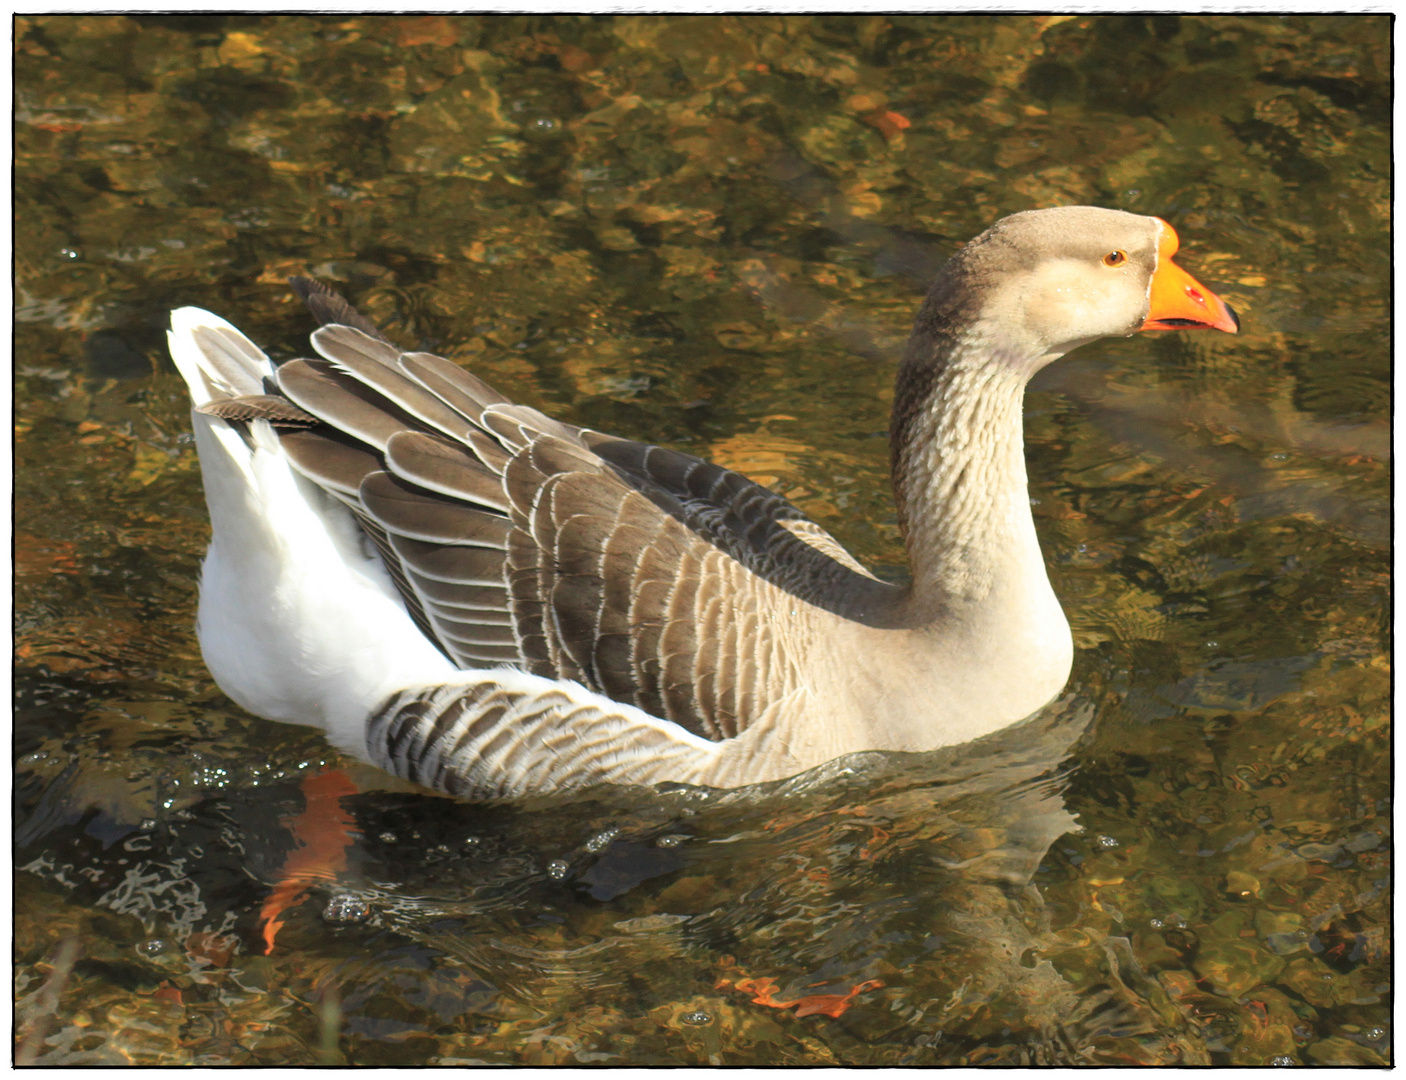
713, 233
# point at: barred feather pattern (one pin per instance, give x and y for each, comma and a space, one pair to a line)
654, 578
491, 740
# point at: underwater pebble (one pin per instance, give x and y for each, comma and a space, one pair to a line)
1286, 943
646, 923
1363, 842
346, 909
557, 869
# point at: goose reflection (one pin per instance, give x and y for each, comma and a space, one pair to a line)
881, 908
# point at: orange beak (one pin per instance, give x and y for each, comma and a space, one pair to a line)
1178, 301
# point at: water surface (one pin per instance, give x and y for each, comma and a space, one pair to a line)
713, 233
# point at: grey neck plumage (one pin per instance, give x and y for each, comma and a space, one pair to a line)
959, 470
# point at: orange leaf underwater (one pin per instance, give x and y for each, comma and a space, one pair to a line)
831, 1005
322, 834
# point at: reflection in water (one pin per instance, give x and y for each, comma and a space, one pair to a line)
714, 234
413, 912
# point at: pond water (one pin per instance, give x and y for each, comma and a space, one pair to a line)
713, 233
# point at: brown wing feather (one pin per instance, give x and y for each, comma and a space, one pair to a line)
406, 510
375, 364
278, 411
457, 388
441, 466
649, 575
328, 306
330, 459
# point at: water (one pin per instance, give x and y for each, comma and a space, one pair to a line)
713, 234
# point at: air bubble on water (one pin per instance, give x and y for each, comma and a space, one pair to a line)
544, 123
670, 841
345, 908
1375, 1033
601, 840
1107, 842
147, 824
557, 869
696, 1019
151, 947
1156, 924
1282, 1059
387, 837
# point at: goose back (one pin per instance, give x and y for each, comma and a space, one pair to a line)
653, 577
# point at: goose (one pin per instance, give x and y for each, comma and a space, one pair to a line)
491, 603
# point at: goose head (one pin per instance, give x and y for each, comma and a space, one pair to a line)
1040, 283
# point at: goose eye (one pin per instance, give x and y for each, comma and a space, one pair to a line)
1115, 258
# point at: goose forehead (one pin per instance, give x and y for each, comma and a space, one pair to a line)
1078, 231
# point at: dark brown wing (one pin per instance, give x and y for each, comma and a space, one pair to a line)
650, 576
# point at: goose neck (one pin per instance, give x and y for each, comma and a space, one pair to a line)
959, 473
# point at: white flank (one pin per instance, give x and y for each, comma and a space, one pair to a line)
298, 620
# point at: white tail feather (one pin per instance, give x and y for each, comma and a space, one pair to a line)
298, 621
